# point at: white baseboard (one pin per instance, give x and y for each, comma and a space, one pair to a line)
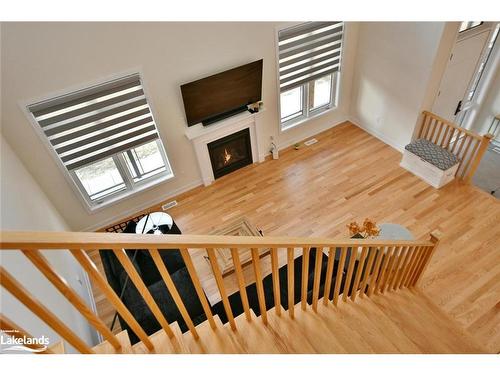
143, 206
383, 137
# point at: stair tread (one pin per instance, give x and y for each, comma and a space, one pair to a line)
431, 330
402, 321
57, 348
254, 337
211, 341
106, 348
291, 335
164, 344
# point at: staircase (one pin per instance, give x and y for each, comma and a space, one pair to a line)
376, 307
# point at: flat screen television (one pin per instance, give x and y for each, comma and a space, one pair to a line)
222, 95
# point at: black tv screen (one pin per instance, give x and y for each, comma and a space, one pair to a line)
223, 93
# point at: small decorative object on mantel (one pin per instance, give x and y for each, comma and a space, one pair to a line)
369, 229
255, 107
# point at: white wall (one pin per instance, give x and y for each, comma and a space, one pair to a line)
44, 58
393, 69
24, 207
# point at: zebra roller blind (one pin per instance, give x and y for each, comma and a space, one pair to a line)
92, 124
309, 51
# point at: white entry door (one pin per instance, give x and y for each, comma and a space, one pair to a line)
462, 66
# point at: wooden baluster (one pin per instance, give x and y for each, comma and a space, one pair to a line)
438, 134
452, 134
466, 159
445, 135
91, 269
421, 260
259, 285
425, 123
435, 238
197, 286
392, 269
371, 257
19, 292
276, 281
305, 277
434, 127
329, 275
241, 283
350, 269
375, 279
384, 272
409, 253
290, 279
465, 139
222, 289
15, 331
143, 290
428, 128
485, 141
340, 273
167, 279
62, 286
359, 272
317, 276
458, 139
411, 273
409, 267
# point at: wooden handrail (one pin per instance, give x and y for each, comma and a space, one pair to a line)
91, 241
381, 265
475, 145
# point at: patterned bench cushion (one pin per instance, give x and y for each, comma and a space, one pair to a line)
432, 153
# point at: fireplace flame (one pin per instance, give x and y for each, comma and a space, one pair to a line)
227, 156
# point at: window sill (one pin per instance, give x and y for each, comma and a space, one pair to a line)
140, 187
303, 119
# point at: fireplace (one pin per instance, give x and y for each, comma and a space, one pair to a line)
230, 153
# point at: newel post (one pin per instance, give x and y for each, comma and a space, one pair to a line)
435, 238
483, 146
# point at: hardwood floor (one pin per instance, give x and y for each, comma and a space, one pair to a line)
350, 175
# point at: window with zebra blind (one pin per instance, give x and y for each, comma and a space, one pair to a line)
105, 138
309, 59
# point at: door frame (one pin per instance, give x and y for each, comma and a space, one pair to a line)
465, 117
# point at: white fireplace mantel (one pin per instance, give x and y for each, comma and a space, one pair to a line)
201, 135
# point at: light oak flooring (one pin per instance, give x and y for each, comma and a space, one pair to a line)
397, 322
350, 175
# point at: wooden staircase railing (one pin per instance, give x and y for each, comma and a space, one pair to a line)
468, 146
382, 266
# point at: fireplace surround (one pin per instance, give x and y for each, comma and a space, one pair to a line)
201, 136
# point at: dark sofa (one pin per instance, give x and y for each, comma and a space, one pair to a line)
146, 268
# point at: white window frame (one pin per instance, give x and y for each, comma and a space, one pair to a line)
132, 188
308, 113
